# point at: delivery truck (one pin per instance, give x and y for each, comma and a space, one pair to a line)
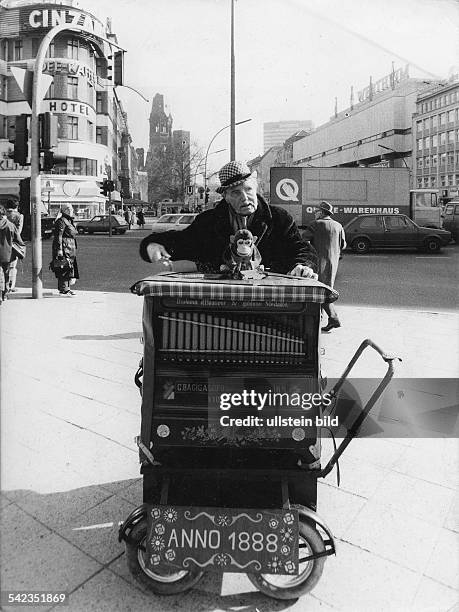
352, 192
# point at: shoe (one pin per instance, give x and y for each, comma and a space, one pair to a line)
332, 323
67, 293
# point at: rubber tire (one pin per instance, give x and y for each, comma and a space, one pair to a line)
121, 232
361, 245
316, 544
138, 536
80, 230
432, 245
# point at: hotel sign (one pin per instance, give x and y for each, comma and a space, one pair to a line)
70, 67
48, 18
69, 107
386, 82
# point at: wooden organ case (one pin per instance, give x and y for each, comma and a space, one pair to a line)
203, 335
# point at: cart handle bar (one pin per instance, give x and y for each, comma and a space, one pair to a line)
389, 359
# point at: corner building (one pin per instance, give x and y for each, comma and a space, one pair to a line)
93, 139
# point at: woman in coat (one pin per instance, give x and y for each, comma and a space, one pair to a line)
64, 248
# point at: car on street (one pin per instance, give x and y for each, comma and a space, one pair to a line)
451, 219
173, 221
367, 232
101, 223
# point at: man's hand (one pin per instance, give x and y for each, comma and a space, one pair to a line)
156, 252
304, 271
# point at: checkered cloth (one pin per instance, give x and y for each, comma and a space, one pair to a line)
275, 287
233, 173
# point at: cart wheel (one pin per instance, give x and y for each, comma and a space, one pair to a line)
291, 587
164, 581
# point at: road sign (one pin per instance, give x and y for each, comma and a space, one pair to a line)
48, 187
190, 190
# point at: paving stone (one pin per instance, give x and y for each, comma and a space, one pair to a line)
415, 497
96, 530
444, 562
338, 508
434, 597
388, 533
45, 562
358, 581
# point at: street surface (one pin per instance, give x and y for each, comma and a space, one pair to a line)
404, 279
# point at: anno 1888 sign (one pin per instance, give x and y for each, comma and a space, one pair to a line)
223, 539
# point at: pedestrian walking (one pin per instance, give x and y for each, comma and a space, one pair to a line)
141, 218
64, 262
328, 238
133, 216
16, 218
127, 216
10, 243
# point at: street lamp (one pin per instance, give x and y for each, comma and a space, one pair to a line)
394, 151
210, 144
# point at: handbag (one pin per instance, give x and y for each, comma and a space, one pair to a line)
59, 266
19, 250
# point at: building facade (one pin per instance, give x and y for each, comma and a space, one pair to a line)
276, 132
374, 131
93, 141
436, 139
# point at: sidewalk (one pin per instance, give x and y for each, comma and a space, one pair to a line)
70, 473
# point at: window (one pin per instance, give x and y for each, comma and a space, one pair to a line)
51, 52
434, 140
451, 179
419, 143
72, 87
426, 143
444, 180
442, 138
450, 137
420, 162
372, 222
419, 182
434, 120
427, 161
68, 127
450, 158
443, 159
434, 160
426, 124
3, 88
433, 181
442, 118
418, 126
426, 181
396, 223
99, 135
73, 46
3, 127
18, 50
450, 116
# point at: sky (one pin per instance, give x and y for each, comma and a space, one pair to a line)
292, 58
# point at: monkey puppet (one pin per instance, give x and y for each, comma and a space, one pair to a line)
242, 259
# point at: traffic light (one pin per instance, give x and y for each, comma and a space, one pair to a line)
50, 160
106, 187
24, 195
21, 141
201, 192
118, 68
48, 131
207, 195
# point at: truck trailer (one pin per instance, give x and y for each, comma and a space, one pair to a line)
352, 192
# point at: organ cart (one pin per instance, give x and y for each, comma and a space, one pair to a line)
220, 493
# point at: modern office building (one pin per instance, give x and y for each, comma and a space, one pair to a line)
275, 133
376, 130
93, 141
436, 138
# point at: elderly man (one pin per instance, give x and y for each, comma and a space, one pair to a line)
202, 244
327, 236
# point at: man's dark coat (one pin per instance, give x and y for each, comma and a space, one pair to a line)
206, 239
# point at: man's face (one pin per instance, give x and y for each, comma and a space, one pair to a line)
243, 198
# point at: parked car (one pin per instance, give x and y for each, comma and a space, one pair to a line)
367, 232
47, 227
451, 219
174, 221
100, 223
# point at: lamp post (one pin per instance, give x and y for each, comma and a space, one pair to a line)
210, 144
